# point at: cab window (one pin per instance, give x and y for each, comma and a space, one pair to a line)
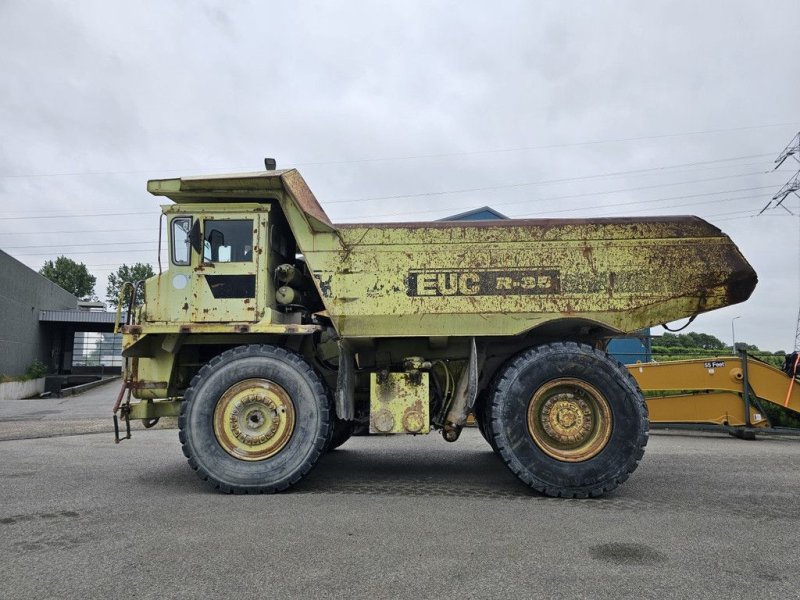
180, 241
228, 241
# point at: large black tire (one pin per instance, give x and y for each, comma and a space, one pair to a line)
483, 422
246, 466
568, 420
342, 430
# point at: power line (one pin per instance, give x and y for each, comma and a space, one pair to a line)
423, 156
77, 216
150, 242
128, 230
790, 188
753, 215
566, 197
564, 180
153, 243
526, 202
683, 197
550, 146
634, 203
649, 170
74, 231
425, 194
678, 166
103, 266
81, 253
532, 183
95, 231
747, 212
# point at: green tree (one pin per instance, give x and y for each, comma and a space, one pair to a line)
126, 274
690, 340
70, 275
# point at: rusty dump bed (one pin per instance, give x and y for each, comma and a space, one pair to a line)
497, 277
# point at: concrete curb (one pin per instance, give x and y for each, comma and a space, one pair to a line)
79, 389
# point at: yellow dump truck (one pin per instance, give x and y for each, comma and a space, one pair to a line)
274, 333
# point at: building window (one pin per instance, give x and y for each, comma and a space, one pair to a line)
94, 349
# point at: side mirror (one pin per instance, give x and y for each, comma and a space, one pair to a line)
195, 239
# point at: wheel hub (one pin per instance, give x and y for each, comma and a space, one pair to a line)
566, 418
569, 420
254, 419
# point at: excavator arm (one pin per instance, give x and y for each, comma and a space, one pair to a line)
723, 391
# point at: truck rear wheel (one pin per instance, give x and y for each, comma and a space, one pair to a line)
483, 422
568, 420
255, 419
342, 431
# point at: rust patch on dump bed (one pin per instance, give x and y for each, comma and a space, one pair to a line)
304, 197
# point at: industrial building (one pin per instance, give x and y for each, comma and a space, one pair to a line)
41, 321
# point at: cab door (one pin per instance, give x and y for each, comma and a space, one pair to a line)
226, 283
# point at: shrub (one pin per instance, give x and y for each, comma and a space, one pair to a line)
36, 369
781, 417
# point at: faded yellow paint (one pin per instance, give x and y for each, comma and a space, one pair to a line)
155, 410
182, 294
151, 375
506, 279
491, 278
399, 403
426, 280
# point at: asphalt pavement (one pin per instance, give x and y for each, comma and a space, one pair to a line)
88, 412
704, 516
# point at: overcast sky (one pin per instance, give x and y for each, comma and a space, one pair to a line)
406, 111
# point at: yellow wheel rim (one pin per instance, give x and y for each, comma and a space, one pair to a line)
254, 419
569, 420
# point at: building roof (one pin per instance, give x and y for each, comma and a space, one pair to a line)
15, 268
484, 213
78, 316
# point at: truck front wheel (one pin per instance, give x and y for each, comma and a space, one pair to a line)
255, 419
568, 420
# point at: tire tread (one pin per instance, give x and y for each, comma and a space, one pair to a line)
255, 350
501, 386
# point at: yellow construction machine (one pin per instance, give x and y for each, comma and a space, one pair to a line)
274, 332
724, 393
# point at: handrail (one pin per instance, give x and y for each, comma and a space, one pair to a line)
120, 301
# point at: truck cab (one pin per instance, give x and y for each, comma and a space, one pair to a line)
215, 256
